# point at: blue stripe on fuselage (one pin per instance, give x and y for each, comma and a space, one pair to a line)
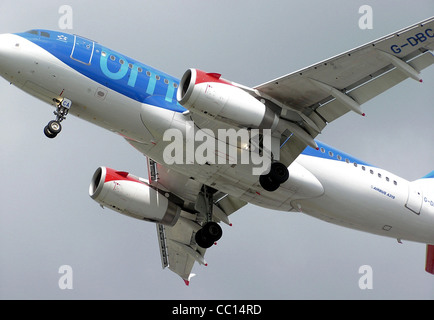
109, 68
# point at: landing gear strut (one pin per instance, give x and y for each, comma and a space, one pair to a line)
278, 174
53, 128
211, 231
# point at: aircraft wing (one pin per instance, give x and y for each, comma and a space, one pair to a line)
178, 248
319, 94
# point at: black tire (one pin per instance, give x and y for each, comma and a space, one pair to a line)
202, 240
267, 183
48, 133
212, 231
278, 172
54, 127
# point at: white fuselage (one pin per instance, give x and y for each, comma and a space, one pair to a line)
349, 194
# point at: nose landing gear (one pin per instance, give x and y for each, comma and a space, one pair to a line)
53, 128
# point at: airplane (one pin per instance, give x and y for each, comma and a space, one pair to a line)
197, 181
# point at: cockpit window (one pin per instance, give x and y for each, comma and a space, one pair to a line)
39, 33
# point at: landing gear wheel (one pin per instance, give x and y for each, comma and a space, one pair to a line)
212, 231
48, 133
202, 240
54, 127
278, 172
267, 183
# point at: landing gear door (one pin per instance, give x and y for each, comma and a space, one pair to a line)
415, 198
82, 51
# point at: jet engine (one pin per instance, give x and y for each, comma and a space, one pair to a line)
209, 95
132, 196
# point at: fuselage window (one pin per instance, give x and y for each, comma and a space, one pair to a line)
322, 150
112, 58
331, 154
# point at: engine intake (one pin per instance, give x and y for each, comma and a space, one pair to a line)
132, 196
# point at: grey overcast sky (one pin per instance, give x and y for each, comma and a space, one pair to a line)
48, 220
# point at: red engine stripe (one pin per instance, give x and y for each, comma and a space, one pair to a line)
202, 76
112, 175
429, 258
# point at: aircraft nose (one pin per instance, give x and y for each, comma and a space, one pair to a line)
2, 56
9, 53
4, 43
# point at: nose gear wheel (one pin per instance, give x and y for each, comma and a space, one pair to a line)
53, 128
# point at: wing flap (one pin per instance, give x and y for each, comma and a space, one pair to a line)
386, 81
178, 250
335, 109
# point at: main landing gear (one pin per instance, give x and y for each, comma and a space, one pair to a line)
53, 128
211, 231
278, 174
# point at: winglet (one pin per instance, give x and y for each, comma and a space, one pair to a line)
429, 266
187, 282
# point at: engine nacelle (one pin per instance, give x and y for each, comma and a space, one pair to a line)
209, 95
128, 195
